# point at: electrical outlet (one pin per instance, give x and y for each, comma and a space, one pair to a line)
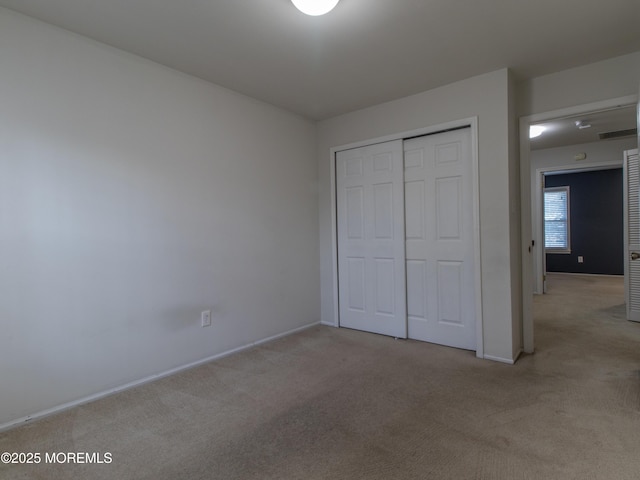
206, 318
580, 259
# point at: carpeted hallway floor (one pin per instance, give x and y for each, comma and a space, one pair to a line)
338, 404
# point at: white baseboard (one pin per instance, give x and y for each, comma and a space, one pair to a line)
66, 406
509, 361
328, 324
518, 353
586, 274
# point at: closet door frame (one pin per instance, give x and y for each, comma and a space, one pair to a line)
472, 122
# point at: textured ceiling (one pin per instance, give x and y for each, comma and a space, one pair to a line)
362, 53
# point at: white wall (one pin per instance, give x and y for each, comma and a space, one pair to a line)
612, 78
515, 226
486, 97
132, 197
604, 154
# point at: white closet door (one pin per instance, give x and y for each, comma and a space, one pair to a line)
440, 239
371, 260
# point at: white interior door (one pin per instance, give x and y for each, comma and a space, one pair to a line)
440, 239
371, 260
632, 234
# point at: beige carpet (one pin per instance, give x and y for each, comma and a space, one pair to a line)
338, 404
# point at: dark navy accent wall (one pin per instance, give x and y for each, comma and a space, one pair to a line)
596, 216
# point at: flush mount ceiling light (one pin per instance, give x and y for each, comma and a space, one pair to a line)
536, 131
315, 7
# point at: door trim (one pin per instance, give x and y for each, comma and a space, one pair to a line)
471, 122
526, 201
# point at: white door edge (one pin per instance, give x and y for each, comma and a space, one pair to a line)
625, 230
630, 273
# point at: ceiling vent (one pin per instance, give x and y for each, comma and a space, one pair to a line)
618, 134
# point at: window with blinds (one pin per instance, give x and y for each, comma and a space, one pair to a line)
556, 220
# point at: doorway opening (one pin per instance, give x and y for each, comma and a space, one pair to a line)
580, 224
581, 138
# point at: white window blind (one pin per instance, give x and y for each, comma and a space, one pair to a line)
556, 219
